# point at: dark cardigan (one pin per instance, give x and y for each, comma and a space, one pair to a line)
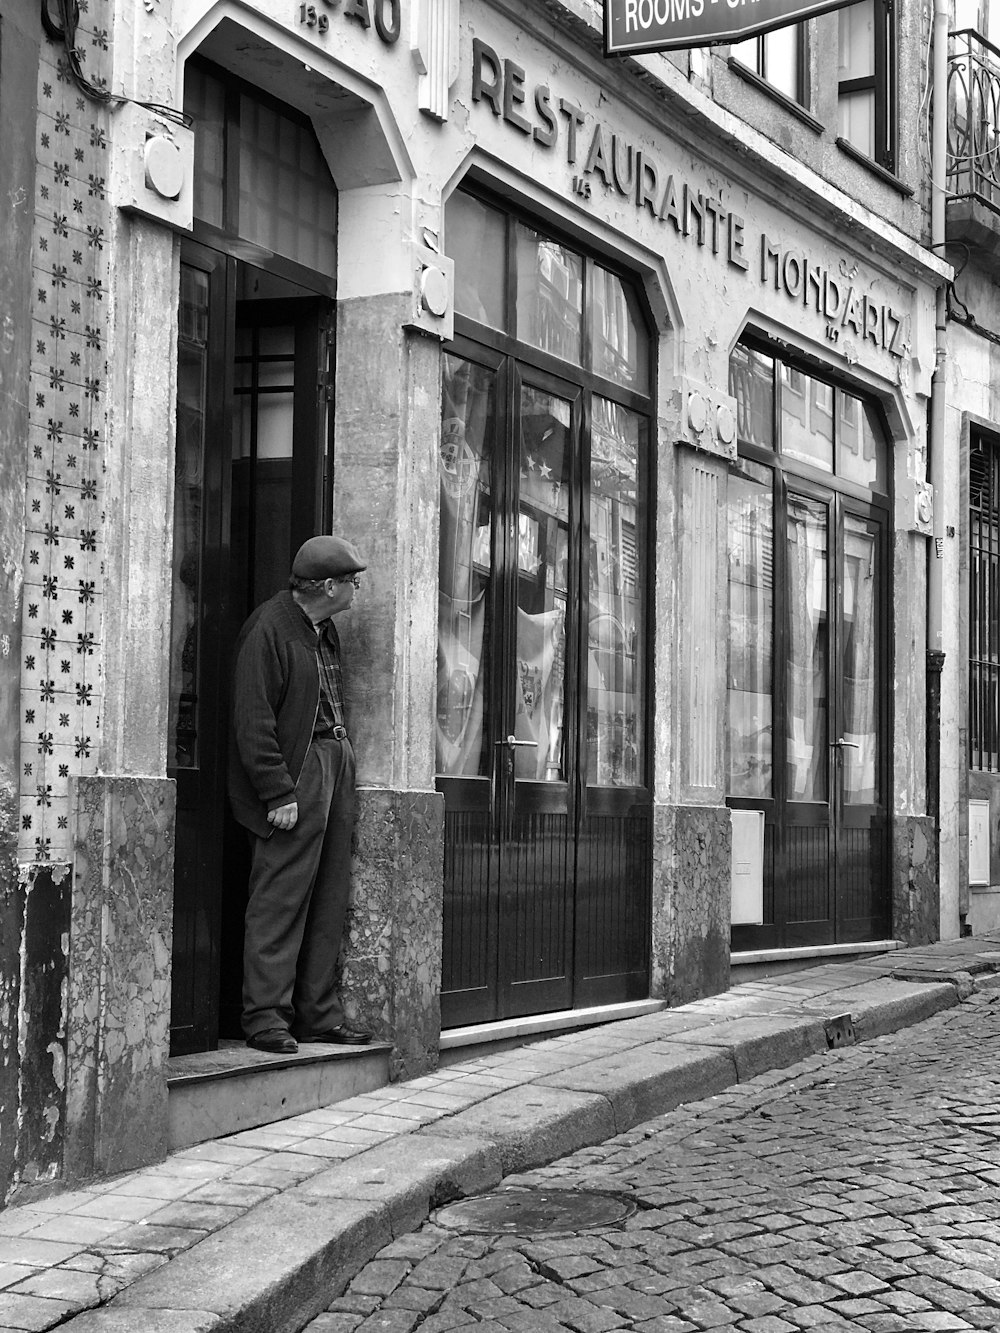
275, 701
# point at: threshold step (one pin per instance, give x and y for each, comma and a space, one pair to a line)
215, 1093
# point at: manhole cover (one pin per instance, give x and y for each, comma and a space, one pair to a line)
521, 1212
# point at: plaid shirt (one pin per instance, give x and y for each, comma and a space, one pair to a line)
331, 680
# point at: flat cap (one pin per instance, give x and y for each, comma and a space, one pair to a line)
326, 558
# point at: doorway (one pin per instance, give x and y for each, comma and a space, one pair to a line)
807, 688
542, 711
253, 480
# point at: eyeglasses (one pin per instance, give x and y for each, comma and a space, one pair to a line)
350, 578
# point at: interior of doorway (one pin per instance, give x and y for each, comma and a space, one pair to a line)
264, 488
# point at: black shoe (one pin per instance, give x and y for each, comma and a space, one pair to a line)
279, 1041
342, 1036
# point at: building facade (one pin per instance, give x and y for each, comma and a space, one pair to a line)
618, 372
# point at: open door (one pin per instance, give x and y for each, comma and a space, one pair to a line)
252, 483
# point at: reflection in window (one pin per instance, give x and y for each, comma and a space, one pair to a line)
751, 382
751, 630
467, 424
619, 343
549, 295
861, 455
476, 236
615, 628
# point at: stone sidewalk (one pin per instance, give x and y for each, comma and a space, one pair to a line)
250, 1232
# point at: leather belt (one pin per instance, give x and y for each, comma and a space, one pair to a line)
334, 734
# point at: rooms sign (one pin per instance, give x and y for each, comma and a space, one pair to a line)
666, 25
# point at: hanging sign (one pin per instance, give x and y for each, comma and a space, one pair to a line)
667, 25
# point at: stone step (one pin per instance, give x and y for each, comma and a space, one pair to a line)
214, 1093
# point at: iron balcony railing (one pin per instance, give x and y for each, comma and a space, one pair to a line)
974, 118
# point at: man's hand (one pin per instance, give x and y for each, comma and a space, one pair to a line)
285, 817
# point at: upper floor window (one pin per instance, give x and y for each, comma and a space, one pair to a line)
866, 80
778, 58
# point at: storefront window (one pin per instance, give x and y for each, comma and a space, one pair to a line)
615, 711
619, 343
751, 630
468, 404
577, 574
806, 419
751, 382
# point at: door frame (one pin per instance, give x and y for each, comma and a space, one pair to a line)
209, 848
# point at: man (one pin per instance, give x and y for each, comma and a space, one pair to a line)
291, 784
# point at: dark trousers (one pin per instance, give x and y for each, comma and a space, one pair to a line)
300, 884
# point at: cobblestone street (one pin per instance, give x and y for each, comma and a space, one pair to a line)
856, 1190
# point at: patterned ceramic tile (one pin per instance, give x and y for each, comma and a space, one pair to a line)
64, 560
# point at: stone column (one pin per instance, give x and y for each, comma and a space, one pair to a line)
691, 836
385, 499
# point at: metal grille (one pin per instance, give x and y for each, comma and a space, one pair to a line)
984, 604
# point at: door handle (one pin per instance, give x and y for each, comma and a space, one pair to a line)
512, 741
847, 745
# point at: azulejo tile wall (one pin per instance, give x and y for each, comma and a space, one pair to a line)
61, 690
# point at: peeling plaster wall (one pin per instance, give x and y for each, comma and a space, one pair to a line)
42, 1027
392, 961
19, 38
119, 988
915, 899
691, 901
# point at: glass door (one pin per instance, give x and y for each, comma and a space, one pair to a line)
808, 686
863, 896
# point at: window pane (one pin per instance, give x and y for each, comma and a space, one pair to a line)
474, 239
859, 757
542, 574
205, 100
862, 453
781, 60
468, 408
806, 419
288, 201
549, 295
749, 53
751, 382
189, 486
619, 343
808, 648
856, 120
751, 631
857, 41
615, 621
